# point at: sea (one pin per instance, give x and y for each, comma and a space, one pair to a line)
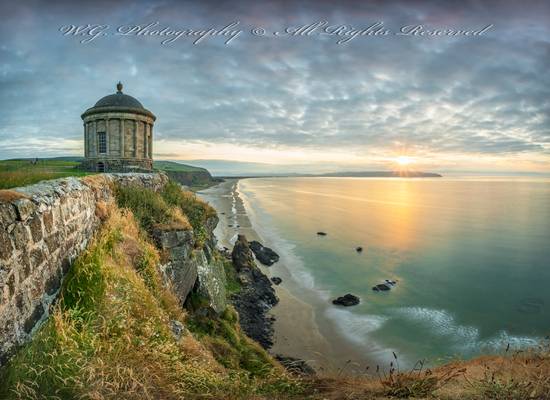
470, 258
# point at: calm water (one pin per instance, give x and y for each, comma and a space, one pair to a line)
471, 257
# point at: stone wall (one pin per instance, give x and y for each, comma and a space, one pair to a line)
43, 228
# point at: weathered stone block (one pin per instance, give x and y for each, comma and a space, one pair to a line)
35, 316
20, 302
24, 208
47, 218
25, 266
6, 247
35, 226
11, 283
51, 243
37, 257
20, 235
54, 282
7, 214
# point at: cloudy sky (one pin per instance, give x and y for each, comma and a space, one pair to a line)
297, 101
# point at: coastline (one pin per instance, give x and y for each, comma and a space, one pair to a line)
299, 329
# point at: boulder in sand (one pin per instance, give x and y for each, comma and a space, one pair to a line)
265, 255
276, 280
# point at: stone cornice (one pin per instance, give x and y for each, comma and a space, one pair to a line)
108, 111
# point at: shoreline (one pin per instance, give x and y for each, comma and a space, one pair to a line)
300, 329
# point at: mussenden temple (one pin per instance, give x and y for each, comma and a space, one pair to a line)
118, 134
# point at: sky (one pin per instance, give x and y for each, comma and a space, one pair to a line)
288, 85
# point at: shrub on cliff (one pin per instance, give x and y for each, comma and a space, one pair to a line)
149, 208
196, 210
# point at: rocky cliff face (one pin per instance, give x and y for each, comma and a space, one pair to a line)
256, 297
185, 267
44, 227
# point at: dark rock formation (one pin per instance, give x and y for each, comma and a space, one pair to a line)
384, 287
295, 365
276, 280
241, 255
256, 296
265, 255
346, 300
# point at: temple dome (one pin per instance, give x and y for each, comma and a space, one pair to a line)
118, 102
118, 99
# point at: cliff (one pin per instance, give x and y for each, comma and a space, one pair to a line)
187, 175
43, 228
131, 296
112, 288
46, 226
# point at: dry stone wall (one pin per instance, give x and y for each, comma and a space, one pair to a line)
43, 228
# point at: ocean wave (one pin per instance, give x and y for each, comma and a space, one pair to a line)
462, 338
440, 322
355, 327
262, 223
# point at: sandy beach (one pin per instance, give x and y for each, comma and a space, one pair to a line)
299, 330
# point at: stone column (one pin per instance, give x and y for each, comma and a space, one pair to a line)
85, 140
145, 140
135, 139
107, 136
151, 141
94, 139
122, 138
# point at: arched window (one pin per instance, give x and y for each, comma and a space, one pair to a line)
100, 167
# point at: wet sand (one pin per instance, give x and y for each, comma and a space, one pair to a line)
299, 331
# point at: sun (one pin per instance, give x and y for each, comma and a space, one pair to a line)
403, 161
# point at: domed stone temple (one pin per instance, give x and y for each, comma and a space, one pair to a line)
118, 134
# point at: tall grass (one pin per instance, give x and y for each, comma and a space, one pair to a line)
196, 211
14, 173
109, 336
149, 208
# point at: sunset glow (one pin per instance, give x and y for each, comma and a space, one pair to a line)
404, 161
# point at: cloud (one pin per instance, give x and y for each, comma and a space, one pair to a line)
487, 95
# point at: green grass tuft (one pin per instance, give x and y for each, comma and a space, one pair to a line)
147, 206
196, 211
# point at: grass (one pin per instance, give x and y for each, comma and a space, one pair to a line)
109, 336
417, 382
171, 208
197, 211
232, 284
149, 208
523, 375
175, 166
15, 173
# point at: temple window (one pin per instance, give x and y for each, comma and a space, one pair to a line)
101, 143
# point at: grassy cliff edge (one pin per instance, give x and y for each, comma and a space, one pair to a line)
118, 331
